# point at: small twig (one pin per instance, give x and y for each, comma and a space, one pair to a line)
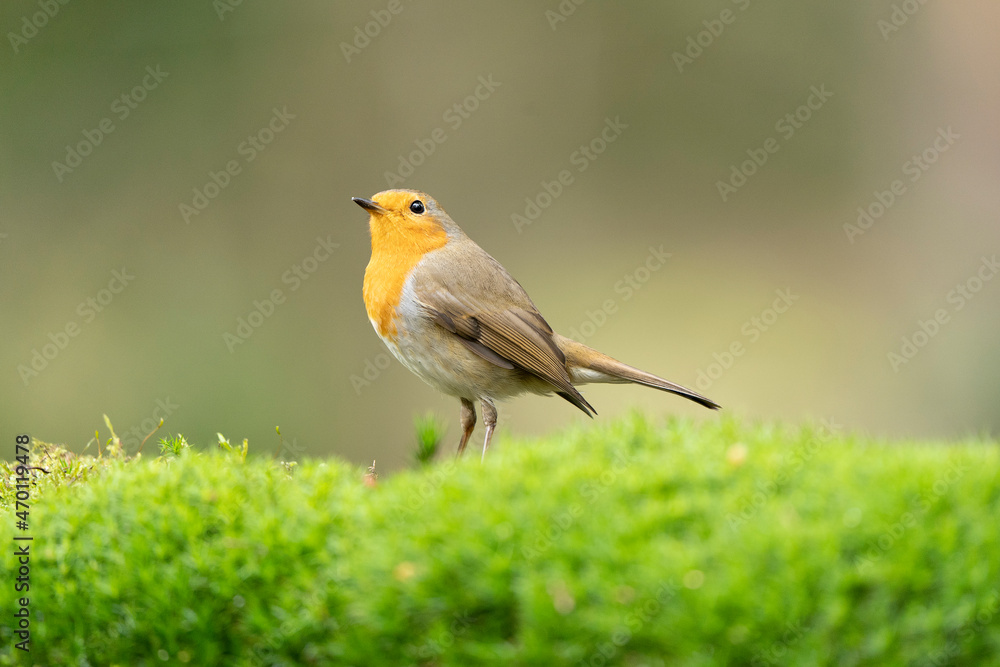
150, 433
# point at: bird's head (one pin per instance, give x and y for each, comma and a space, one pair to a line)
403, 216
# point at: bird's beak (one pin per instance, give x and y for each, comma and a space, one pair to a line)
369, 205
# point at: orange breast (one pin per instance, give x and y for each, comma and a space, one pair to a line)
396, 250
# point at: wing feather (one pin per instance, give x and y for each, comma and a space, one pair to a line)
512, 337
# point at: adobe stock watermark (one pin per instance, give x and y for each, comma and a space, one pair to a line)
223, 7
971, 627
749, 506
121, 108
365, 33
87, 311
913, 170
248, 150
31, 24
900, 15
267, 649
775, 653
411, 508
786, 127
454, 116
445, 638
289, 450
543, 538
562, 12
632, 623
295, 276
581, 159
625, 289
132, 438
957, 298
371, 372
751, 330
696, 43
894, 531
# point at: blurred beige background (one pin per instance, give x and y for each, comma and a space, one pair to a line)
890, 107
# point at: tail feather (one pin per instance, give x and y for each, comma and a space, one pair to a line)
586, 364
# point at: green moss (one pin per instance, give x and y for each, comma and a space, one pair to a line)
631, 542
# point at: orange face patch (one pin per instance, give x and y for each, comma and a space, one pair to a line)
399, 241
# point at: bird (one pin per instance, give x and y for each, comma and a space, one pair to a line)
454, 316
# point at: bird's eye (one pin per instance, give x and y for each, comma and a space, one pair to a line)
417, 207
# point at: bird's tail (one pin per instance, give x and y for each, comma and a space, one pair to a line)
586, 364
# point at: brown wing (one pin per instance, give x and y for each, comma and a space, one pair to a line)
511, 337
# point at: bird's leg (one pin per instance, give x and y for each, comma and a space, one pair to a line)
468, 416
490, 419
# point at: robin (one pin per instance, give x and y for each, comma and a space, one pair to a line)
454, 316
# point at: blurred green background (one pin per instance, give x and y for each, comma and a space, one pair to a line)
695, 85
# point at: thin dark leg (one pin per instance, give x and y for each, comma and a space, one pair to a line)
490, 419
468, 417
